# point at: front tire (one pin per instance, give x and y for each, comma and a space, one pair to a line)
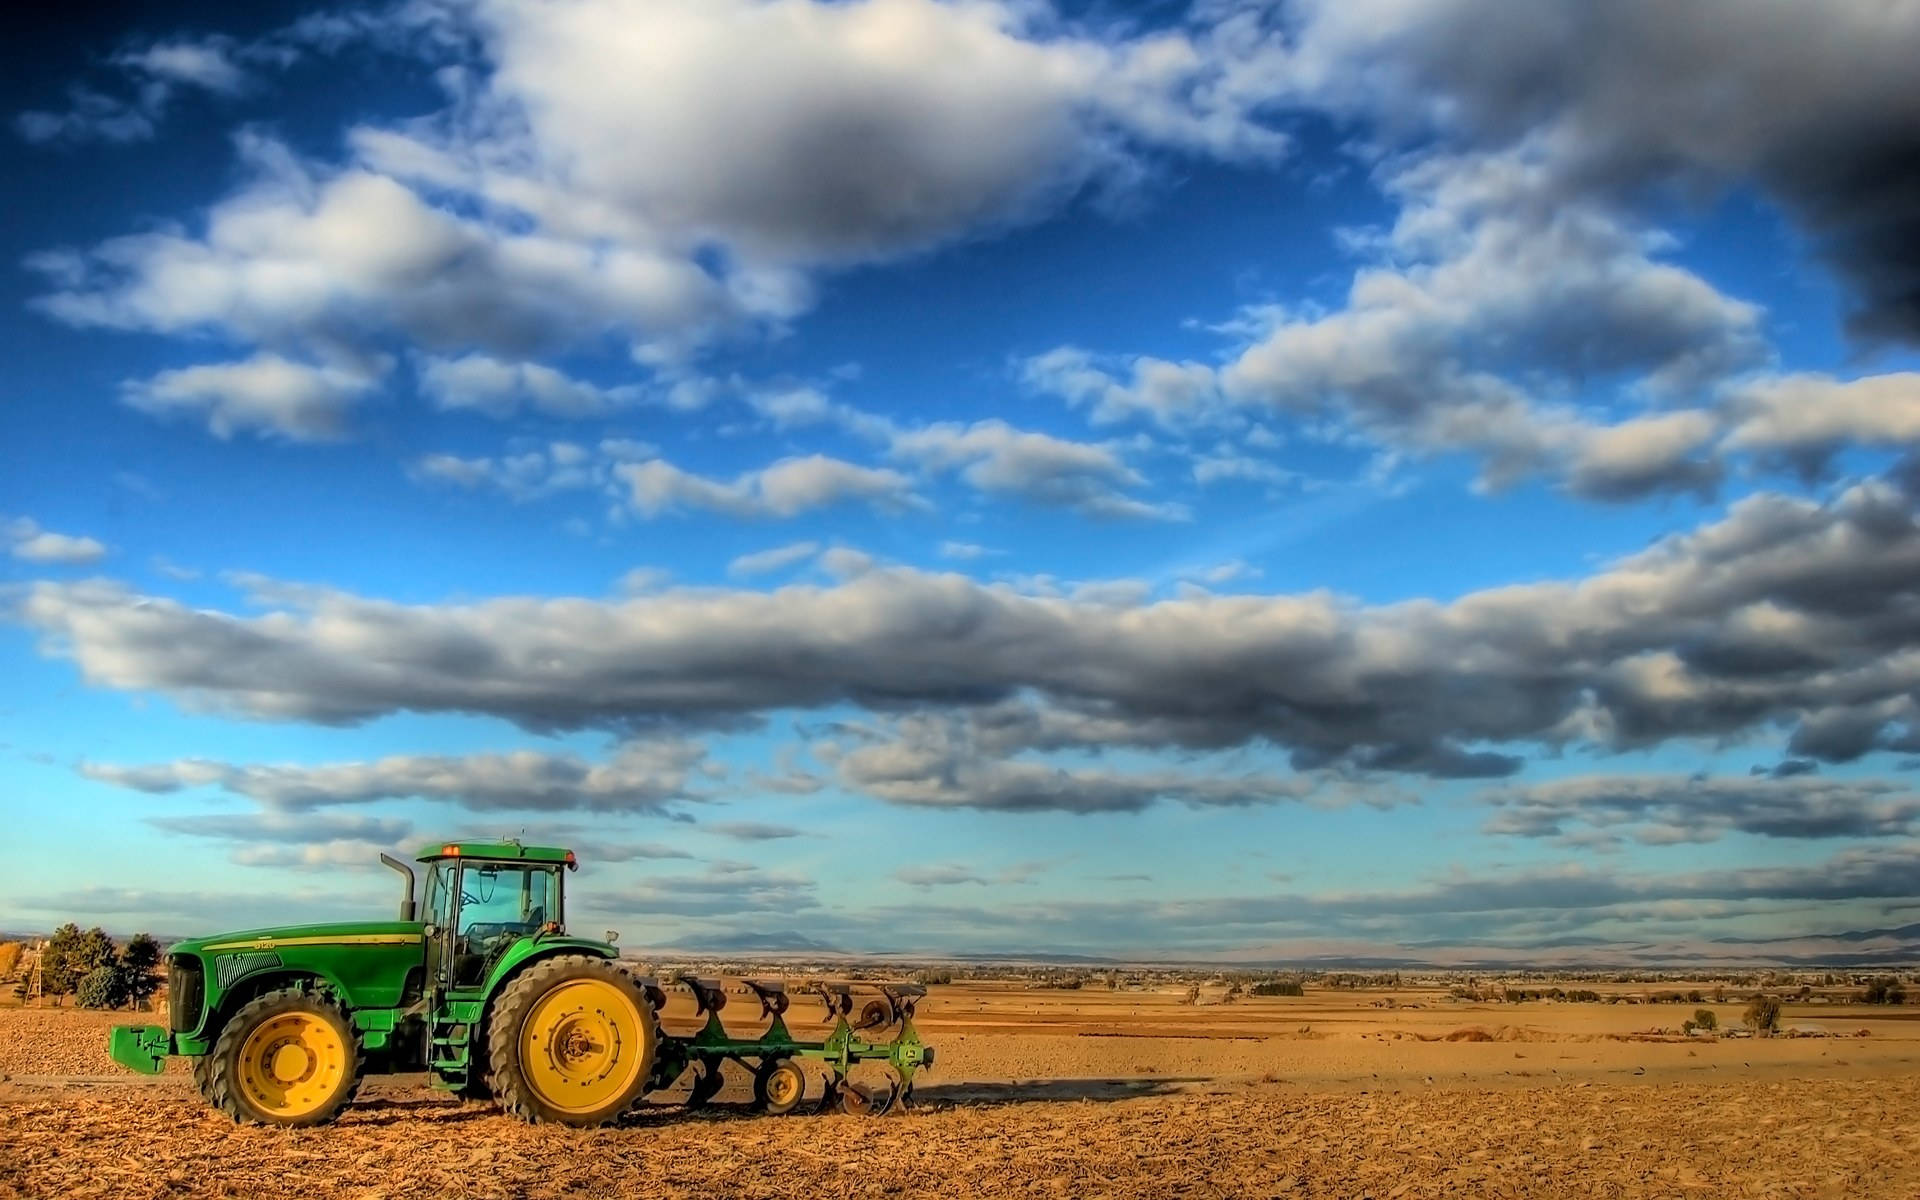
289, 1058
571, 1040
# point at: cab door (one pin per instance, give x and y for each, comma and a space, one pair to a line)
439, 911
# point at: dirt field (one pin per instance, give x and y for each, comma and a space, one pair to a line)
1054, 1093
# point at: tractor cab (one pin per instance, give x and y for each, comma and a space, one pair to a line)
481, 898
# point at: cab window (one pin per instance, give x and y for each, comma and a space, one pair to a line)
498, 899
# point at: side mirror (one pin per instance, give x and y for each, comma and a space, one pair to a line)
613, 935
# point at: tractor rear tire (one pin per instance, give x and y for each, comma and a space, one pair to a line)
289, 1058
571, 1040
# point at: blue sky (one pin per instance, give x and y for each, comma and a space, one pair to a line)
1233, 480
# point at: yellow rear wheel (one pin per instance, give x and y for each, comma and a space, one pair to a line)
571, 1040
580, 1045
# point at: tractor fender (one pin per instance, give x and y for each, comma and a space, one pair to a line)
258, 983
530, 950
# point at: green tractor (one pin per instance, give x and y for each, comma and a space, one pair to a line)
481, 986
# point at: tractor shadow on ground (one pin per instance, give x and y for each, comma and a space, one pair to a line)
1025, 1091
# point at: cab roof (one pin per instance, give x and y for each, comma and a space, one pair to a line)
511, 851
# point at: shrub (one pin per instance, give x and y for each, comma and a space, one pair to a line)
1763, 1015
1886, 990
1705, 1019
102, 987
1278, 987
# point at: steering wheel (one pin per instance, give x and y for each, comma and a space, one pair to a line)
469, 898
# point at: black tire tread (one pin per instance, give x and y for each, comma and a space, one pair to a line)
219, 1089
509, 1010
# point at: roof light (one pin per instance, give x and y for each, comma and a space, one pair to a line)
450, 849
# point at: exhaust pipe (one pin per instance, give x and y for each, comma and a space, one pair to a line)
406, 902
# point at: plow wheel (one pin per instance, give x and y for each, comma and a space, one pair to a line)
876, 1013
572, 1040
287, 1058
865, 1099
779, 1086
707, 1082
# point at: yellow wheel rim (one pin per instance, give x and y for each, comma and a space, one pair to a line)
292, 1064
582, 1045
784, 1087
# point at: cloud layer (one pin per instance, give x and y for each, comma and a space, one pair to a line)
1786, 612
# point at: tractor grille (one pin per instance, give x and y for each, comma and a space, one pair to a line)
186, 989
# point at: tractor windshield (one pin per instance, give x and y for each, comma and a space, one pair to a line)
506, 898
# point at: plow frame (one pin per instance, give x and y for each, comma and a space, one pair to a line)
839, 1052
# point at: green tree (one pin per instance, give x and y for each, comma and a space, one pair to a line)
137, 963
59, 973
1886, 990
96, 949
1705, 1019
1763, 1015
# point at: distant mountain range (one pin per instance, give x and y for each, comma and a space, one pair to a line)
784, 941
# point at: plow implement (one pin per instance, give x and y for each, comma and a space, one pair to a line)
866, 1022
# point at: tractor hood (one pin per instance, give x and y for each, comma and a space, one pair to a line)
334, 933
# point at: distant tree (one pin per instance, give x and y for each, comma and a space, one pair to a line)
1885, 989
137, 963
1279, 987
1705, 1019
1193, 994
59, 971
1763, 1015
96, 949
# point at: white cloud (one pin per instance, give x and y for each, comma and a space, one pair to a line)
1040, 468
644, 776
1812, 415
1172, 395
499, 389
661, 172
776, 559
1783, 613
156, 74
26, 540
528, 475
964, 551
266, 394
787, 488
